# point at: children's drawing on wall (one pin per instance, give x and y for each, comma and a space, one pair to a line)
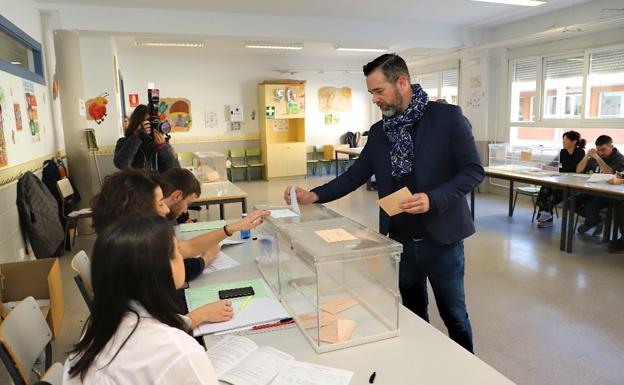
210, 119
4, 160
333, 99
280, 125
295, 100
329, 120
279, 94
18, 116
235, 127
96, 108
31, 109
177, 111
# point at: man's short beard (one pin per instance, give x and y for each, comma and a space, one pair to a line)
393, 109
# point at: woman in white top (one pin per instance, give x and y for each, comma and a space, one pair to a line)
135, 334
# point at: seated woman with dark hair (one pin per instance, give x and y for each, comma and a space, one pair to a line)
131, 193
135, 334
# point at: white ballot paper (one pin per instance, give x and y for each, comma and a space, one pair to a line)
294, 205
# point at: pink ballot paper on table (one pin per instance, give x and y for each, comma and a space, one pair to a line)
390, 203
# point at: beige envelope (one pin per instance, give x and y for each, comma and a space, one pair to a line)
390, 203
308, 321
338, 304
335, 235
339, 331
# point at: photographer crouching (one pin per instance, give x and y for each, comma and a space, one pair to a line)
144, 146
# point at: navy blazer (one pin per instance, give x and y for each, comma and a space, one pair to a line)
446, 167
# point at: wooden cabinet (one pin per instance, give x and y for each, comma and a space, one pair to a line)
282, 128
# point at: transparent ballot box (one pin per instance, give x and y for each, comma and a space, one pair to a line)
339, 281
532, 159
275, 235
209, 166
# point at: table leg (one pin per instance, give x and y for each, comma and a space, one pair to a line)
222, 211
511, 193
564, 219
571, 210
472, 203
336, 160
244, 204
606, 233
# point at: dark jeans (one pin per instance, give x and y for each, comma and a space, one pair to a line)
548, 198
443, 265
589, 206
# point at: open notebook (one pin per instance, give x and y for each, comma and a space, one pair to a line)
261, 308
239, 361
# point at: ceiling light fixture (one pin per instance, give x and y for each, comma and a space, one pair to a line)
338, 47
273, 45
168, 44
524, 3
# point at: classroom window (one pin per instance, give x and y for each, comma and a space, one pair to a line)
441, 85
563, 82
605, 85
20, 54
523, 88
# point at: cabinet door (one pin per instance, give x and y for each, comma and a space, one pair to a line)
297, 159
277, 161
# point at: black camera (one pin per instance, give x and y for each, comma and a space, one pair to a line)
153, 107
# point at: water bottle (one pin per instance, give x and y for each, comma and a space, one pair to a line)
245, 234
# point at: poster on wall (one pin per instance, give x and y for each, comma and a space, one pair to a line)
210, 119
177, 111
333, 99
31, 109
17, 110
4, 160
295, 100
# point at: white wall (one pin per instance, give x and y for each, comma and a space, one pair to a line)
96, 54
25, 15
211, 83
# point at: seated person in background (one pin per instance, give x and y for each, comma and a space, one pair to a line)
569, 157
135, 334
142, 147
136, 192
606, 159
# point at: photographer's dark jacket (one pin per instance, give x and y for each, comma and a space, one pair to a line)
135, 152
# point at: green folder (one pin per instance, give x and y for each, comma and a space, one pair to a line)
199, 296
201, 226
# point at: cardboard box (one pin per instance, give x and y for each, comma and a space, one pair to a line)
41, 279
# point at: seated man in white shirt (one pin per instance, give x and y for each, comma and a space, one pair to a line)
135, 334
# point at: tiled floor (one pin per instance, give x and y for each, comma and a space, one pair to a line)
539, 316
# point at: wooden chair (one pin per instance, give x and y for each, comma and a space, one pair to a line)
239, 162
81, 264
71, 216
254, 159
24, 335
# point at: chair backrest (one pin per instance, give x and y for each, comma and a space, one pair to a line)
81, 264
24, 334
65, 188
254, 151
237, 156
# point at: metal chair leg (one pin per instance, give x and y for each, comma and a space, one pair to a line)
534, 208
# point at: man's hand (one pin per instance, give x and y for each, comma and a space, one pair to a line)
303, 196
593, 153
416, 204
616, 181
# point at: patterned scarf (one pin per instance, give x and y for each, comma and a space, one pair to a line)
397, 130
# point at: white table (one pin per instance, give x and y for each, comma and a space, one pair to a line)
220, 193
420, 355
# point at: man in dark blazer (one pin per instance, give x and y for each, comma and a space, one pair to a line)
427, 147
